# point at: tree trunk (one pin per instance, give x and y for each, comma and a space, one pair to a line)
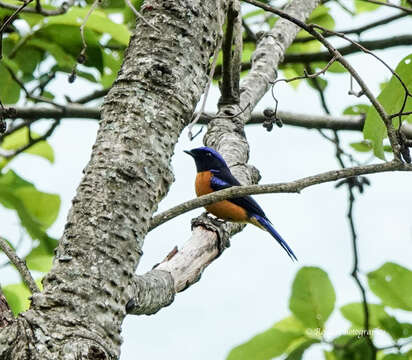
79, 313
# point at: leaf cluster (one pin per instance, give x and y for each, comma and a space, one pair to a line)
312, 302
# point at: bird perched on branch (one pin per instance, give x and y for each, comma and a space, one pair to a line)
213, 174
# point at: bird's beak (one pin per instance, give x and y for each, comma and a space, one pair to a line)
189, 153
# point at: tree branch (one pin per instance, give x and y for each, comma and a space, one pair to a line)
295, 186
229, 87
32, 10
378, 44
358, 30
32, 141
393, 138
355, 270
151, 292
407, 10
20, 266
344, 122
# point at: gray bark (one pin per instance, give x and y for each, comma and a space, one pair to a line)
79, 313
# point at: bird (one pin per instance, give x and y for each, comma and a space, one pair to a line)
213, 174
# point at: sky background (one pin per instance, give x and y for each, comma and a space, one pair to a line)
247, 289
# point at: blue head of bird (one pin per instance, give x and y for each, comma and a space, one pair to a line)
207, 159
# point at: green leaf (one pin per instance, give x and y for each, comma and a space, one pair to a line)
9, 89
307, 47
264, 346
62, 58
322, 83
253, 13
290, 324
361, 146
396, 357
28, 57
313, 297
289, 73
41, 257
17, 296
319, 16
358, 109
42, 206
378, 318
392, 283
355, 314
128, 15
247, 51
334, 68
20, 138
329, 355
391, 98
11, 180
297, 353
406, 330
394, 328
363, 6
352, 348
322, 17
68, 38
98, 21
36, 210
112, 62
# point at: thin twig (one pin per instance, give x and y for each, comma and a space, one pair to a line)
358, 30
209, 82
9, 20
28, 94
365, 50
20, 266
317, 85
231, 59
250, 35
393, 139
409, 11
308, 75
83, 25
33, 141
355, 272
290, 187
31, 10
299, 58
345, 8
93, 96
140, 16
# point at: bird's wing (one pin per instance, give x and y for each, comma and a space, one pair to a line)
223, 180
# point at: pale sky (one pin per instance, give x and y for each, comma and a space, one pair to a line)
247, 289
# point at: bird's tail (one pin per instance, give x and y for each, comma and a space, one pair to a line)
268, 226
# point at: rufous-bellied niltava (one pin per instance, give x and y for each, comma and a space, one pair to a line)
213, 174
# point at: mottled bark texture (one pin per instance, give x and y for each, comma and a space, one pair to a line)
6, 316
79, 313
226, 134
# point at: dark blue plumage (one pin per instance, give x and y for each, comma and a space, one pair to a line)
209, 161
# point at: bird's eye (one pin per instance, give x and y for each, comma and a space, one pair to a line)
208, 154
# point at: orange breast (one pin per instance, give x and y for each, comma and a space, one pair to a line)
225, 209
202, 184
